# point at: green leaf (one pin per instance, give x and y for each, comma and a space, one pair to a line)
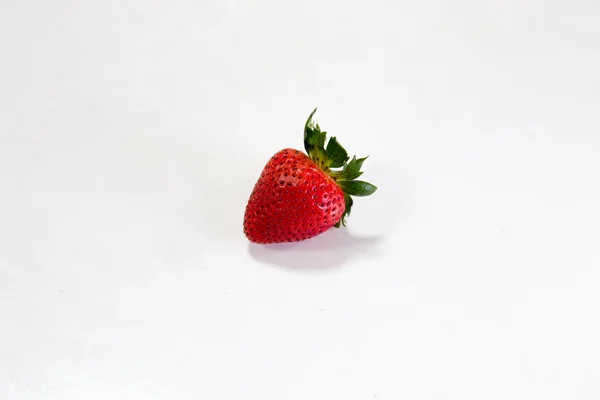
336, 153
309, 120
321, 139
314, 141
350, 177
352, 169
357, 188
311, 133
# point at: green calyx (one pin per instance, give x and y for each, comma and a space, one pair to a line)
333, 155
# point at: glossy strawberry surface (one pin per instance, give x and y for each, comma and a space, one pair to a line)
298, 196
292, 200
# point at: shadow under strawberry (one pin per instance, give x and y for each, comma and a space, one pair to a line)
330, 250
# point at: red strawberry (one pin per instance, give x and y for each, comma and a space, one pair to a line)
299, 196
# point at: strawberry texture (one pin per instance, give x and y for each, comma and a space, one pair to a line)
299, 196
293, 200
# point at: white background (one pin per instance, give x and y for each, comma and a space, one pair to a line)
132, 132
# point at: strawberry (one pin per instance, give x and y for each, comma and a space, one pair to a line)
298, 196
